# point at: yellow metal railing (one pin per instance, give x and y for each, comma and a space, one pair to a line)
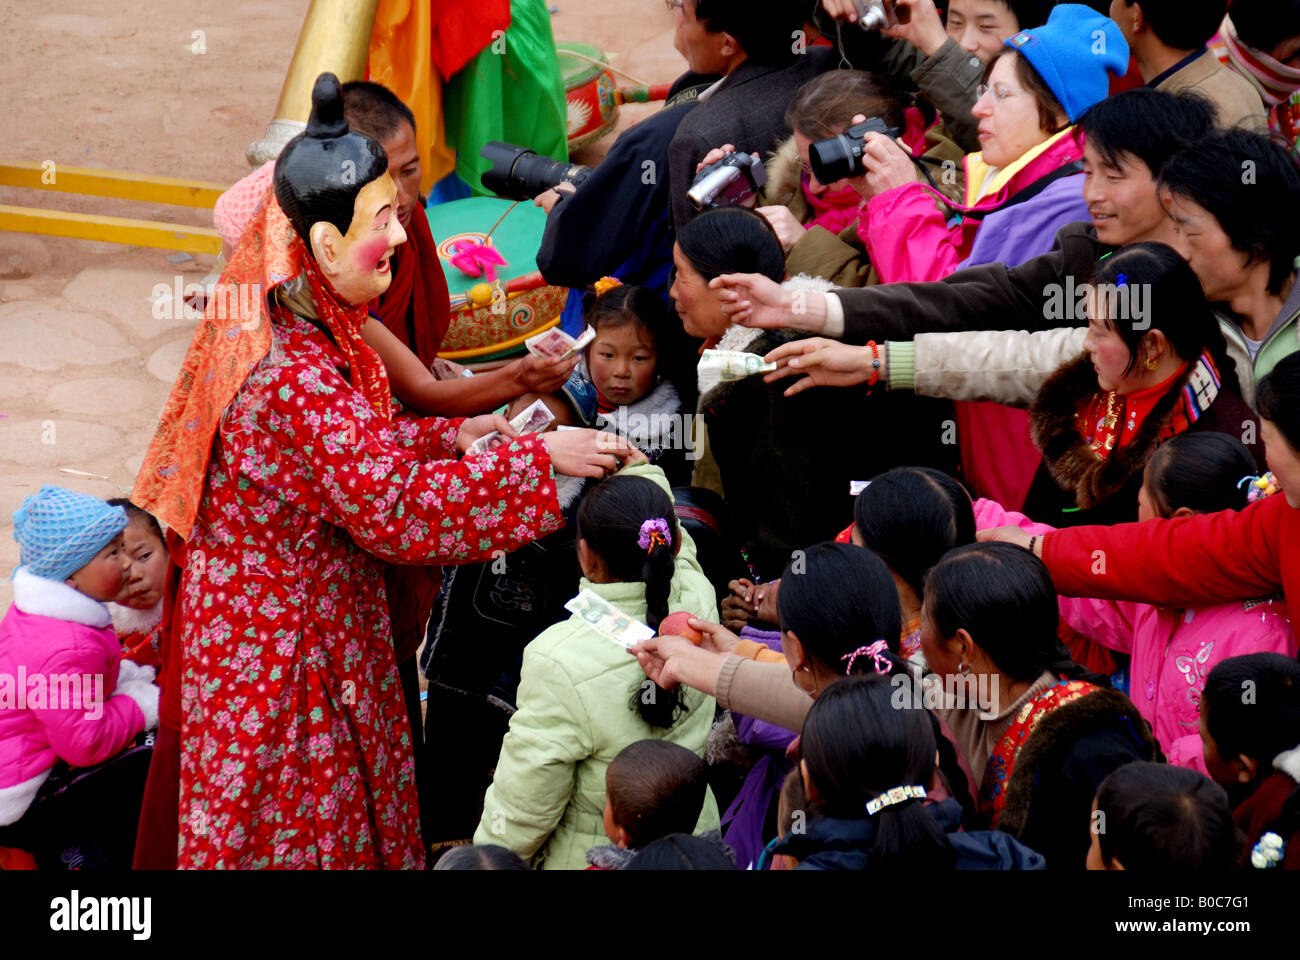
121, 185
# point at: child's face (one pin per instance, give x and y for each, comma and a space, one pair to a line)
147, 566
1115, 366
102, 578
1226, 774
940, 654
1146, 504
622, 361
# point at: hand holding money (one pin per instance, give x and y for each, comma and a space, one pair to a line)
732, 364
555, 344
535, 418
448, 370
826, 363
588, 453
478, 432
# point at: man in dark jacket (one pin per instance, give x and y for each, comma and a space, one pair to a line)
759, 49
618, 223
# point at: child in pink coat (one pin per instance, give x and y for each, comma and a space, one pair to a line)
69, 705
1172, 650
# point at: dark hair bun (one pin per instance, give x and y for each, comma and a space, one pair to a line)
327, 119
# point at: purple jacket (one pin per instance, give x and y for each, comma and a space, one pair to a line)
743, 821
1028, 229
60, 698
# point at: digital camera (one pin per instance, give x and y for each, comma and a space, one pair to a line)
840, 156
727, 183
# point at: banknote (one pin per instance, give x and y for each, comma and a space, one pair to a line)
549, 344
447, 370
733, 364
536, 418
487, 442
611, 623
555, 344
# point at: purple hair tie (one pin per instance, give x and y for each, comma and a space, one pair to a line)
652, 532
875, 651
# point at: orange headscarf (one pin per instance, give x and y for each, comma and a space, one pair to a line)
231, 340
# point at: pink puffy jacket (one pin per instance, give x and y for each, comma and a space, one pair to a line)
906, 229
1171, 650
60, 698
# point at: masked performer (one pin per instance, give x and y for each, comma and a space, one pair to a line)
280, 463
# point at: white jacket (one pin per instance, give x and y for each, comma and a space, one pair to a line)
1004, 366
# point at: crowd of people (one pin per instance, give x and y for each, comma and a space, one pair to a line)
972, 551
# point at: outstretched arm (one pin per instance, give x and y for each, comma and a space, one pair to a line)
420, 390
1211, 558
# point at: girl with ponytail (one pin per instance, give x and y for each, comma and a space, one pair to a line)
867, 767
582, 698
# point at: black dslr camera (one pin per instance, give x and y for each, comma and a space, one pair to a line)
521, 174
727, 183
840, 156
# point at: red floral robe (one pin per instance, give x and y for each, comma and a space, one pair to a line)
296, 749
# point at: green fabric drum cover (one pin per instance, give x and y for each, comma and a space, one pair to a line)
481, 322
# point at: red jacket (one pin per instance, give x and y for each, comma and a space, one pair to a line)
1261, 812
1210, 558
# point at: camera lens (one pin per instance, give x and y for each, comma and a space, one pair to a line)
835, 158
521, 174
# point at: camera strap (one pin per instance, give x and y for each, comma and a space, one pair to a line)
1029, 192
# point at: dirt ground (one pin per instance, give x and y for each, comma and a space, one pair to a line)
84, 365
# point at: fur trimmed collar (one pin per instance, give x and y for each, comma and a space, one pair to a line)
1073, 720
42, 597
1069, 459
784, 174
1288, 762
610, 857
748, 339
129, 620
15, 800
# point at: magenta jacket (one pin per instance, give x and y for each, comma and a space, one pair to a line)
1172, 650
907, 233
60, 695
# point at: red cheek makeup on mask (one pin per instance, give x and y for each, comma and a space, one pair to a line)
372, 251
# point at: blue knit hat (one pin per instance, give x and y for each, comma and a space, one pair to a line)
59, 531
1072, 53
